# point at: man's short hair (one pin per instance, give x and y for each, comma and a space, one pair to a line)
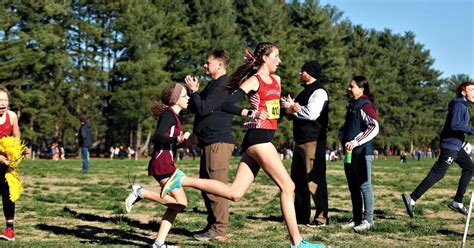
220, 54
462, 87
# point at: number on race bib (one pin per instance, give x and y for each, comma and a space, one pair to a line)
273, 109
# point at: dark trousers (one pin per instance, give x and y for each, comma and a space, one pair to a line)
437, 172
8, 205
214, 164
308, 172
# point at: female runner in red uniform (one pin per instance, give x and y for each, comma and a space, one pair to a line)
256, 80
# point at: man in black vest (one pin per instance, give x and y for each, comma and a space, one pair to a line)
308, 168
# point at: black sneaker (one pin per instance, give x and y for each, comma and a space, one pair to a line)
410, 208
457, 207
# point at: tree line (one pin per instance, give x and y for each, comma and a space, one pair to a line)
110, 59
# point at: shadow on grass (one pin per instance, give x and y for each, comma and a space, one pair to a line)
150, 226
91, 234
266, 218
449, 233
380, 214
337, 210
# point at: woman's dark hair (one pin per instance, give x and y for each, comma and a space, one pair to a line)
247, 70
462, 87
3, 89
169, 97
362, 82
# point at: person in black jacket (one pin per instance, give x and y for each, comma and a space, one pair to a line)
85, 142
213, 129
451, 139
308, 168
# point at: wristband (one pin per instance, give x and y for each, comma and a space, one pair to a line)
250, 114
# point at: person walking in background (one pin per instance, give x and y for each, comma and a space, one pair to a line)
62, 152
308, 168
256, 80
360, 127
111, 152
451, 141
213, 129
130, 152
8, 127
167, 137
85, 142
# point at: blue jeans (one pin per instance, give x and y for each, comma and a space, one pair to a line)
85, 159
359, 179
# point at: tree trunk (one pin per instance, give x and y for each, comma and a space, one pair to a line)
144, 149
138, 149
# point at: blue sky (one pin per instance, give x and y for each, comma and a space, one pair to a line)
445, 27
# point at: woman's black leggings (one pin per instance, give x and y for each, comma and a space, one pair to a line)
8, 205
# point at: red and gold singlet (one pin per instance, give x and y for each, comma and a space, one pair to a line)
267, 98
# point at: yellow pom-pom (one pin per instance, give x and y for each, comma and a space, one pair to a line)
12, 148
14, 183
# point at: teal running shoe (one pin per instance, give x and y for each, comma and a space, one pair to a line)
174, 182
306, 244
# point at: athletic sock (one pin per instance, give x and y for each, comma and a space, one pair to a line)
140, 192
10, 225
159, 242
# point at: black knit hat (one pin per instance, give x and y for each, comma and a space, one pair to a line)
313, 68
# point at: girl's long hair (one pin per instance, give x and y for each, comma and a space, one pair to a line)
362, 82
248, 69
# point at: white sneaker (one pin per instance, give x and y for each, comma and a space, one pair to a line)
364, 226
132, 198
348, 225
154, 245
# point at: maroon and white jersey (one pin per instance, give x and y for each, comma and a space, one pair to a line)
165, 141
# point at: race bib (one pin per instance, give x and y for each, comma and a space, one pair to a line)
273, 109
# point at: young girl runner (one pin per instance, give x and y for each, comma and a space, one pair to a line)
256, 80
167, 137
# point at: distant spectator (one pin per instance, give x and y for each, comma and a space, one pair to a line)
376, 154
403, 157
112, 152
85, 142
116, 152
333, 156
54, 152
122, 152
63, 153
130, 153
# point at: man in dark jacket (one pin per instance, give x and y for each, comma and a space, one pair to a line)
308, 168
452, 138
85, 142
213, 129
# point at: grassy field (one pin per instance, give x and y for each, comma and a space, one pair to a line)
62, 207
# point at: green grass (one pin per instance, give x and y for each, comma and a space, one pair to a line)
62, 207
